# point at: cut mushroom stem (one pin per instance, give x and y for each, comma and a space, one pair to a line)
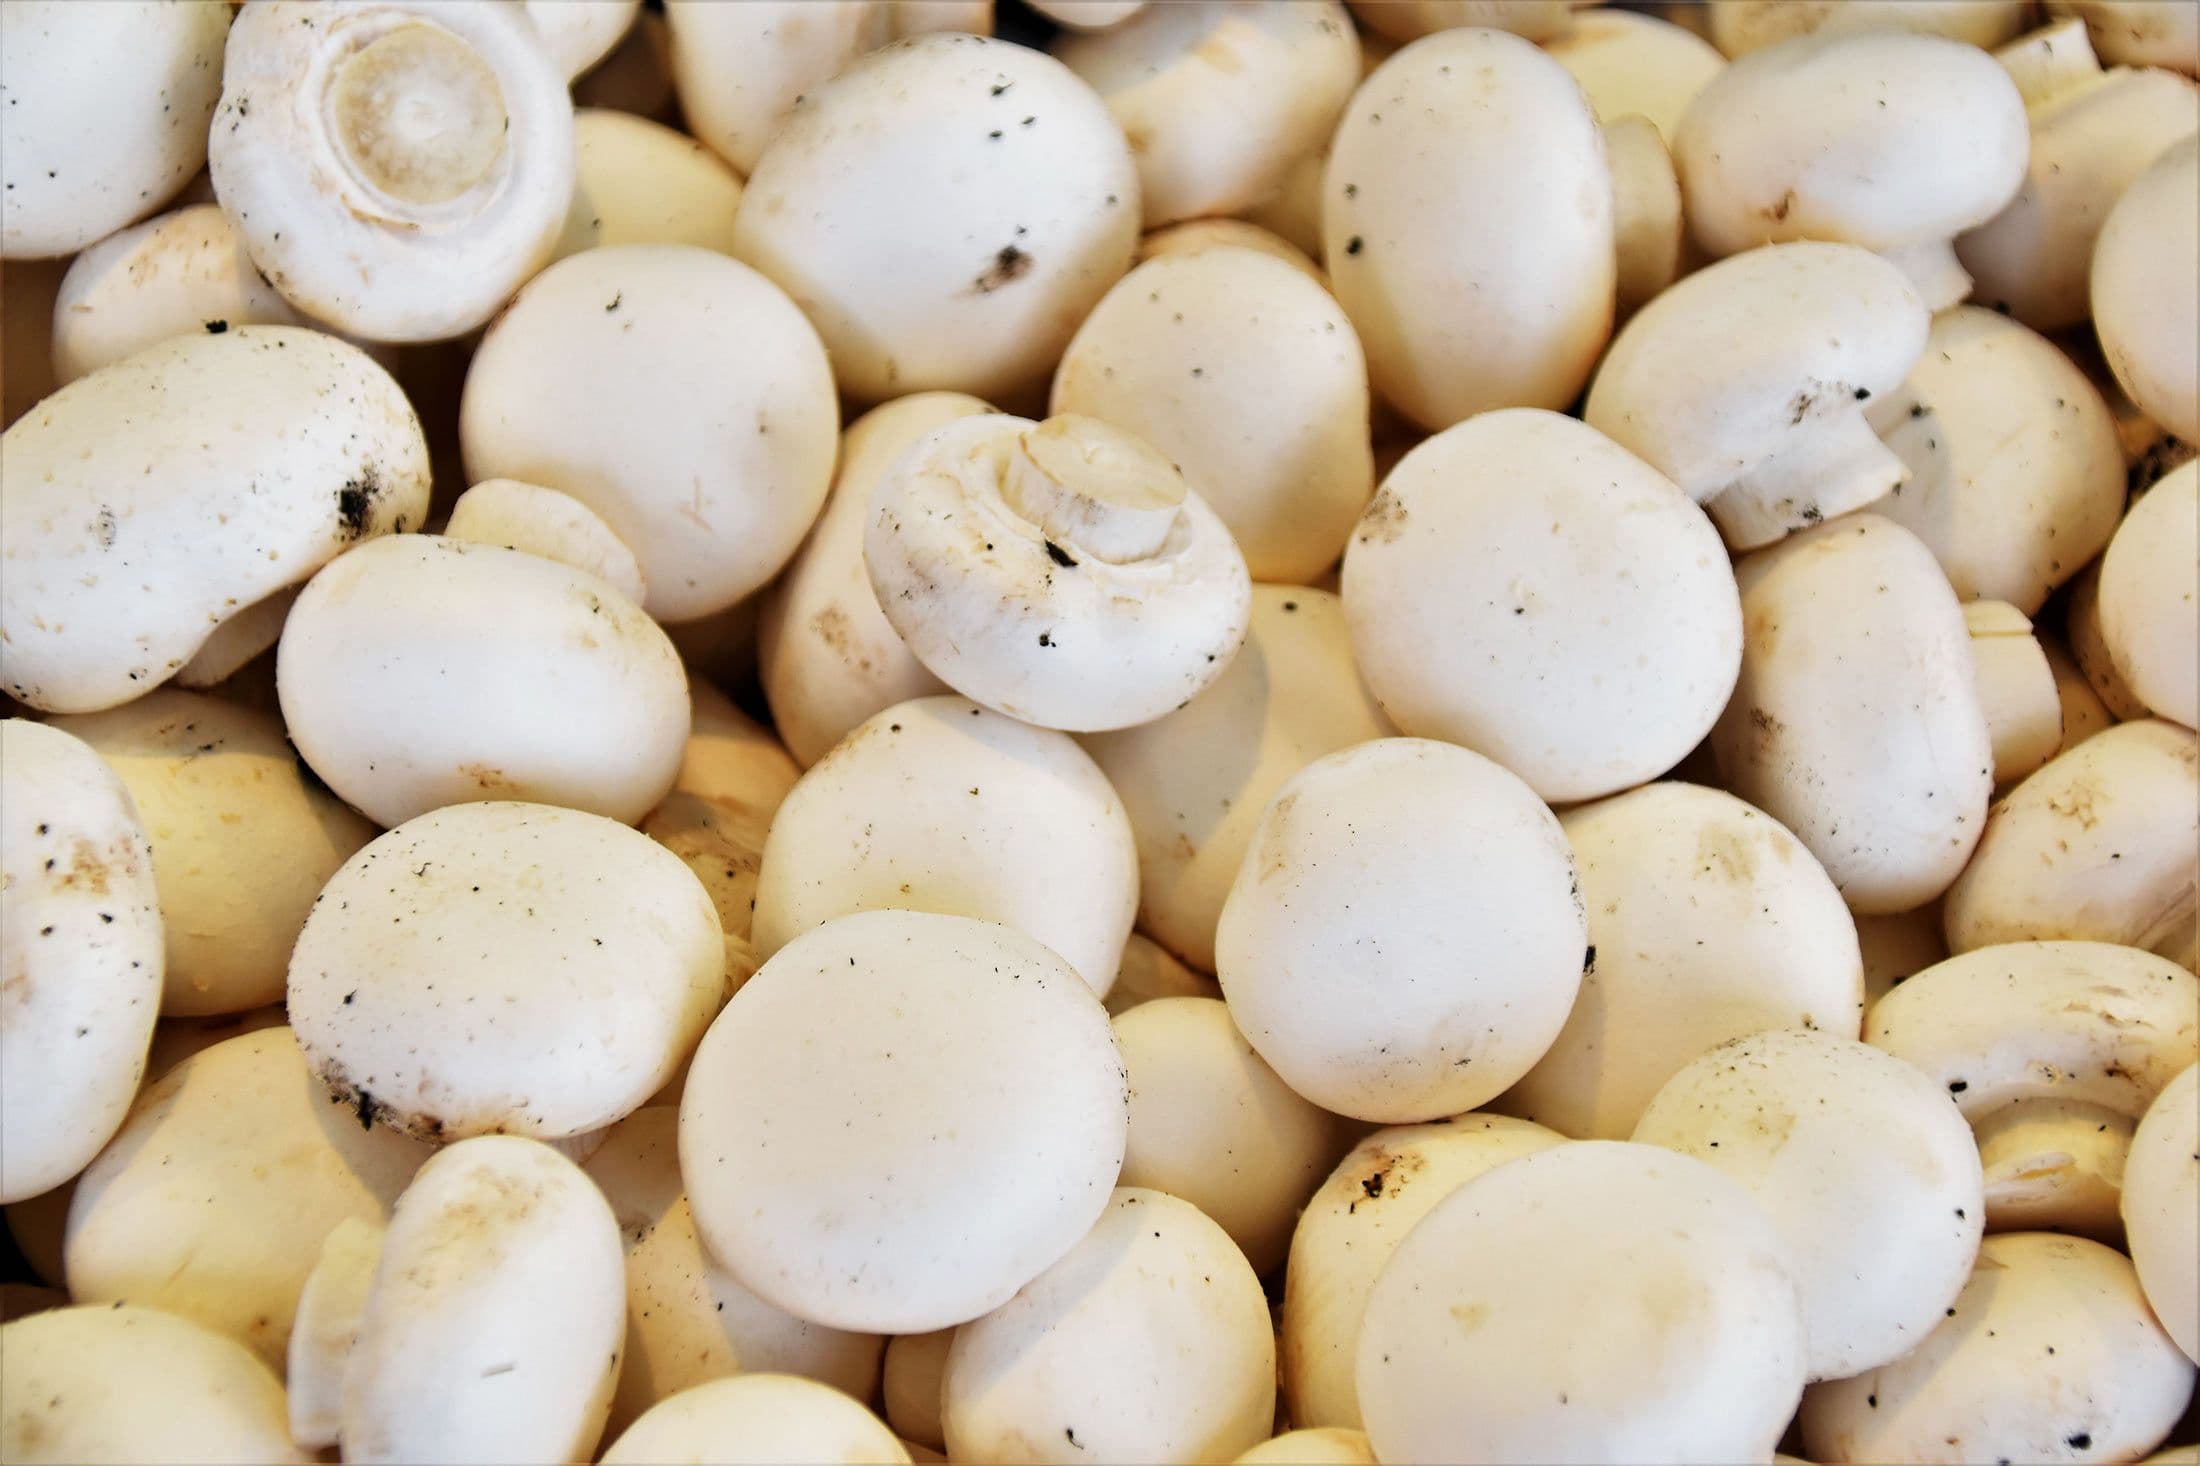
1831, 462
1933, 270
1094, 489
2016, 689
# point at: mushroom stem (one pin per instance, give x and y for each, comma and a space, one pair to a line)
2053, 1163
1939, 279
1094, 487
1828, 466
416, 116
2049, 63
2016, 689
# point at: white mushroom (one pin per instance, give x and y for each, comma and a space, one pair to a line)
2083, 712
2139, 32
2016, 689
2089, 648
544, 522
1195, 235
1060, 572
2146, 303
1627, 62
80, 938
397, 167
580, 33
2161, 1208
1315, 1446
176, 1039
106, 115
1745, 383
2149, 618
767, 1419
1147, 1341
639, 182
326, 1329
1649, 242
1595, 1302
1464, 307
1405, 937
1739, 27
1088, 15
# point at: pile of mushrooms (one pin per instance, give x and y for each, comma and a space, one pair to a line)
1100, 731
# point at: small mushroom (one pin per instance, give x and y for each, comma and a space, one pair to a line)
397, 167
1060, 572
580, 33
2016, 689
544, 522
2146, 303
1627, 62
639, 182
1293, 213
2139, 32
1739, 27
326, 1329
2148, 617
760, 1417
2161, 1208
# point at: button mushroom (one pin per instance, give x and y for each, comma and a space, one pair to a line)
2016, 689
2161, 1208
2149, 618
544, 522
1627, 62
638, 182
2146, 303
760, 1417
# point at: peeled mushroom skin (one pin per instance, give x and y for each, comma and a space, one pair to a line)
2146, 303
2161, 1208
2150, 605
756, 1417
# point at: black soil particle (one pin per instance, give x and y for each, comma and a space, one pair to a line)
1009, 264
355, 502
1061, 556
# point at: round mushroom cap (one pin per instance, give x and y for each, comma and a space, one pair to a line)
107, 113
901, 1119
150, 502
2146, 303
2161, 1208
274, 1167
1066, 1371
2049, 1354
1060, 572
80, 937
675, 392
1316, 1446
1195, 781
1585, 662
939, 805
397, 167
912, 1386
766, 1419
1475, 1345
124, 1383
1366, 1207
2148, 613
544, 522
1868, 1172
1628, 63
1464, 307
1405, 937
1247, 375
491, 1332
640, 182
1014, 206
580, 33
2139, 32
1708, 921
1739, 27
243, 839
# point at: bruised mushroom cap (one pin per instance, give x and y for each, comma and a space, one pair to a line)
125, 1383
2139, 32
1474, 1346
2146, 302
1066, 1370
1744, 383
580, 33
148, 503
81, 933
756, 1417
2161, 1208
2015, 479
939, 805
106, 116
640, 182
1405, 936
1857, 721
397, 167
1739, 27
2148, 613
1367, 1206
741, 69
1708, 921
2052, 1050
1586, 662
901, 1120
678, 394
1060, 572
1015, 206
1463, 307
1630, 63
1867, 1171
1409, 20
2048, 1354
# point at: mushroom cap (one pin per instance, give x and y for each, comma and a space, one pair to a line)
1195, 235
1060, 572
1405, 937
81, 934
1708, 921
2161, 1208
1247, 374
178, 1038
544, 522
326, 1327
757, 1417
1463, 307
492, 1329
2089, 648
912, 1386
181, 272
1630, 63
688, 1320
274, 1168
1739, 27
2148, 613
939, 805
1857, 722
1088, 15
1315, 1446
2015, 478
107, 114
125, 1383
1474, 1347
1585, 662
1218, 98
243, 839
397, 167
741, 70
678, 394
149, 502
2146, 303
426, 671
2049, 1353
580, 33
1367, 1206
901, 1119
1066, 1370
640, 182
1869, 1174
2139, 32
1014, 203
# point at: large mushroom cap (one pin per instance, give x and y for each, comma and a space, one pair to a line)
2146, 301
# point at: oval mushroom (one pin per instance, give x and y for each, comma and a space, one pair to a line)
2161, 1208
2146, 304
2149, 618
760, 1417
